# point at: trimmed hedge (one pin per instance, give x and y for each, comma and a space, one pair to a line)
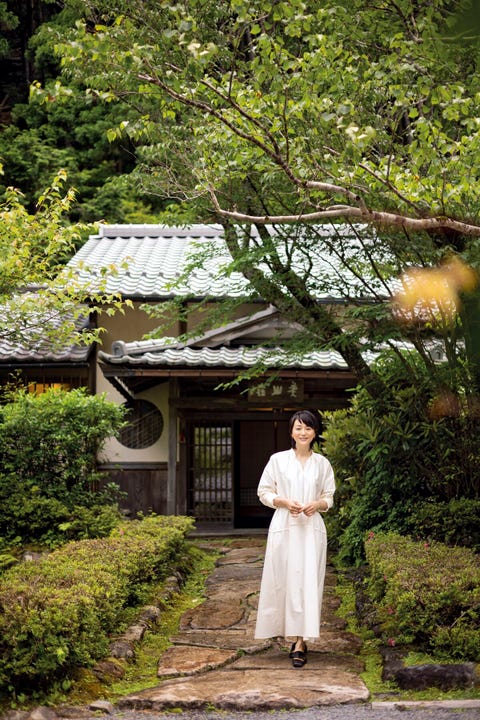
56, 615
425, 593
456, 522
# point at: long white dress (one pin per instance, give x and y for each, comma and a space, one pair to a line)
295, 557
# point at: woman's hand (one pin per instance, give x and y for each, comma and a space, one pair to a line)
293, 506
312, 507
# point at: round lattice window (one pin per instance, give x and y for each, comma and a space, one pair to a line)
144, 425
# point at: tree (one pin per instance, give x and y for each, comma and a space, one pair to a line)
41, 301
291, 114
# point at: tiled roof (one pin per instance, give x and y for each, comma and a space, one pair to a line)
239, 357
40, 350
154, 257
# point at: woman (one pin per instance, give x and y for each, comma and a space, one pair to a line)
299, 484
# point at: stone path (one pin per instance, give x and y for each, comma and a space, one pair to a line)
215, 662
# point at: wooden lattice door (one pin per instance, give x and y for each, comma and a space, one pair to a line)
210, 472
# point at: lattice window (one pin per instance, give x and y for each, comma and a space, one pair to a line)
144, 425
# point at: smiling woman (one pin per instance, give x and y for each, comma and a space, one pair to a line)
299, 484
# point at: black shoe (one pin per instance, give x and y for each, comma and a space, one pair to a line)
299, 658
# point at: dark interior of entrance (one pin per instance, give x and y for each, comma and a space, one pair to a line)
225, 462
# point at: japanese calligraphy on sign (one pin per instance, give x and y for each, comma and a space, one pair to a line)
278, 391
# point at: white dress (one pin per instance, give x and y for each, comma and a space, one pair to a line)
295, 557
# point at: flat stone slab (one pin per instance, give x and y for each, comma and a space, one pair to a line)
238, 639
213, 615
236, 571
242, 555
234, 588
338, 641
279, 660
251, 690
190, 660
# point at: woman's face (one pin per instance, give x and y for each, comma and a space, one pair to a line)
302, 434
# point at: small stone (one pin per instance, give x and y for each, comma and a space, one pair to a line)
108, 670
150, 614
122, 649
42, 713
16, 715
134, 633
102, 706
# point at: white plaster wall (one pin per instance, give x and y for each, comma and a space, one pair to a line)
115, 452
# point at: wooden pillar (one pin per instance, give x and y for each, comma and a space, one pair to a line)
172, 448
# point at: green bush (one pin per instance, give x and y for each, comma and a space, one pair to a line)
391, 457
51, 441
56, 615
425, 593
48, 459
456, 522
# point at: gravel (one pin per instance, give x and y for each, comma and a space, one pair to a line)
335, 712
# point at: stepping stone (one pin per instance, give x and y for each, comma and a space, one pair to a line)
225, 573
190, 660
213, 615
242, 555
250, 690
336, 642
279, 660
238, 639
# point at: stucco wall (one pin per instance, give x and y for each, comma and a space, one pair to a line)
113, 451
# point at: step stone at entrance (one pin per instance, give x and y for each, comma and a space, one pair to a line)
251, 690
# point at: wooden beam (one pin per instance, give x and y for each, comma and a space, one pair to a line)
172, 449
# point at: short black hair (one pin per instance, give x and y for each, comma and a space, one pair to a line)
307, 417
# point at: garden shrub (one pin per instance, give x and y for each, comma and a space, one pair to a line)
48, 467
56, 615
425, 593
456, 522
392, 456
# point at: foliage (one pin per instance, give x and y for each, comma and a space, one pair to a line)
388, 460
425, 593
220, 107
456, 522
42, 303
388, 128
56, 614
61, 129
48, 456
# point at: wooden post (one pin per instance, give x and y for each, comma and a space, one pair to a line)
172, 448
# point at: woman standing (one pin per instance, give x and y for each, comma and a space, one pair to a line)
299, 484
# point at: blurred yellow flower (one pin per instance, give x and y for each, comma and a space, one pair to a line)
435, 291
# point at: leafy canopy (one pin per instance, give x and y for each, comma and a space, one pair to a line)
294, 111
41, 300
289, 113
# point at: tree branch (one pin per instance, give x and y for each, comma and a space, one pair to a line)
371, 217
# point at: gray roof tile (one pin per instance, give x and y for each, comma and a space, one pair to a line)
155, 256
239, 357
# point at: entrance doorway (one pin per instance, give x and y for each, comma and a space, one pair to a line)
256, 441
210, 472
225, 462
